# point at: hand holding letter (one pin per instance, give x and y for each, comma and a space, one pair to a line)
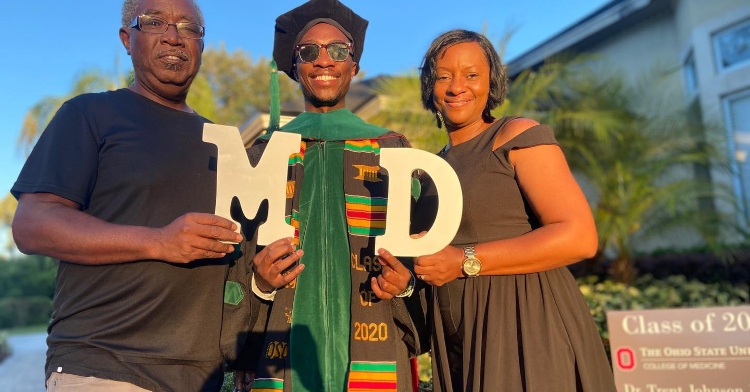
439, 268
393, 278
271, 265
196, 236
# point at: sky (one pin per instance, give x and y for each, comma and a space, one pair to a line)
47, 43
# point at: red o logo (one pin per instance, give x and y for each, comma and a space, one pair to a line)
625, 358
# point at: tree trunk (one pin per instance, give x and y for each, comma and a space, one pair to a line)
592, 266
623, 270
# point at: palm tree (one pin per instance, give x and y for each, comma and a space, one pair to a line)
7, 210
640, 161
37, 118
402, 112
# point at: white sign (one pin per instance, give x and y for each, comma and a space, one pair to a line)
681, 350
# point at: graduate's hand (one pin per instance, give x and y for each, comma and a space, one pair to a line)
440, 268
273, 262
243, 380
393, 278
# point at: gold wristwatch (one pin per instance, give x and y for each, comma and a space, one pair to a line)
471, 264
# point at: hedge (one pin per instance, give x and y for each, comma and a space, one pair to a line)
24, 311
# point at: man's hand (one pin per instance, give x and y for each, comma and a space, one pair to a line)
196, 236
272, 262
393, 278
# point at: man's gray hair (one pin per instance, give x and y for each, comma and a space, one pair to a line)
129, 8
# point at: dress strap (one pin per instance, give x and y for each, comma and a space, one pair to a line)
501, 123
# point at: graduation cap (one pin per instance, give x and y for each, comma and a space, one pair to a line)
291, 26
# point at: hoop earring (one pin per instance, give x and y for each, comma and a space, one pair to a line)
440, 120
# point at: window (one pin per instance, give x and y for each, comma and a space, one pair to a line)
732, 46
737, 119
691, 79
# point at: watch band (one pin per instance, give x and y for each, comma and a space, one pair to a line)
409, 287
471, 266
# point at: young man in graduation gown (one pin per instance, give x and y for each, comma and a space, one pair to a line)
343, 323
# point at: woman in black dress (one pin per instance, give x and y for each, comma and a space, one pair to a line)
508, 316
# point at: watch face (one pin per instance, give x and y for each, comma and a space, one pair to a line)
472, 266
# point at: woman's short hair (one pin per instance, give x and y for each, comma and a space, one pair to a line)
498, 76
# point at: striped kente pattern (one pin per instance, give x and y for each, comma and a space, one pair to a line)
297, 157
372, 376
366, 145
268, 385
365, 216
293, 220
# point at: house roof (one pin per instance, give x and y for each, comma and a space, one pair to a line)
602, 24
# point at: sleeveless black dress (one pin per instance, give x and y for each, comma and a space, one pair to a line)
510, 333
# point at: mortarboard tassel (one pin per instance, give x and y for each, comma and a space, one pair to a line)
275, 108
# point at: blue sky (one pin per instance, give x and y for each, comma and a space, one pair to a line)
46, 43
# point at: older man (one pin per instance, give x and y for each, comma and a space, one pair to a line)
342, 323
120, 188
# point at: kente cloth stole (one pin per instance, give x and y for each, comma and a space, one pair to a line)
356, 351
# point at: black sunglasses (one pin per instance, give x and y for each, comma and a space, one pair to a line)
337, 51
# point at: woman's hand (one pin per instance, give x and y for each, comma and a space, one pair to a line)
440, 268
272, 262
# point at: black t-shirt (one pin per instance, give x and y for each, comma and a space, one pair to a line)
128, 160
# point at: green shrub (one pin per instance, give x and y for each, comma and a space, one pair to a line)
228, 385
649, 293
424, 366
28, 276
5, 349
19, 312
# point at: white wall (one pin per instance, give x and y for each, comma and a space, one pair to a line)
648, 45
